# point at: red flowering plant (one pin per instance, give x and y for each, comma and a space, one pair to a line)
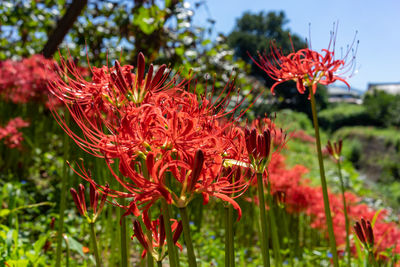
169, 143
10, 134
155, 240
26, 80
335, 150
96, 209
308, 68
264, 141
80, 202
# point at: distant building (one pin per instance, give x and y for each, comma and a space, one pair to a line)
339, 94
390, 88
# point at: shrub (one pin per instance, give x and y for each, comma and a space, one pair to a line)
383, 108
344, 115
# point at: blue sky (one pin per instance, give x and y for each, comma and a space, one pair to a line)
377, 24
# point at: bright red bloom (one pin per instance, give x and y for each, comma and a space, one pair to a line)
80, 202
364, 232
335, 150
26, 80
306, 67
12, 137
262, 142
154, 129
156, 246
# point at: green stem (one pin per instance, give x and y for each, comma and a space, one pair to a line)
328, 215
159, 264
187, 237
149, 256
263, 221
345, 214
231, 237
63, 196
274, 229
173, 261
289, 237
111, 235
227, 233
372, 257
123, 239
150, 261
94, 242
67, 251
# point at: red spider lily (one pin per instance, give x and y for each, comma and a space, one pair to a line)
335, 150
306, 67
26, 80
191, 175
300, 197
167, 117
12, 137
80, 202
260, 147
110, 88
365, 233
155, 241
169, 143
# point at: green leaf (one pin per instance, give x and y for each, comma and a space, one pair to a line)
206, 42
40, 243
4, 212
147, 20
77, 247
376, 215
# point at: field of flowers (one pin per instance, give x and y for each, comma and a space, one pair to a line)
150, 152
144, 165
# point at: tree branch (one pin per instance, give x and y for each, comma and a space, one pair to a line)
63, 26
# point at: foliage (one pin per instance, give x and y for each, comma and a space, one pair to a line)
30, 177
383, 108
375, 152
343, 115
25, 25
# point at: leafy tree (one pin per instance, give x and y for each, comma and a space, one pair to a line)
255, 32
105, 27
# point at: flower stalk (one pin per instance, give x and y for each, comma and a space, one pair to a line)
172, 253
188, 239
263, 222
63, 197
274, 230
335, 151
123, 239
229, 238
94, 242
332, 240
346, 217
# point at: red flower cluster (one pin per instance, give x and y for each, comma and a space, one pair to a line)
26, 80
169, 143
301, 197
306, 67
12, 137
